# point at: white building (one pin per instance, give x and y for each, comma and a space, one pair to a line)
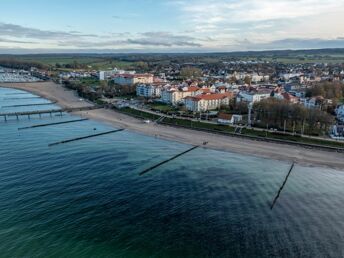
132, 79
252, 97
175, 96
148, 90
227, 119
314, 102
287, 76
104, 75
205, 102
340, 113
259, 78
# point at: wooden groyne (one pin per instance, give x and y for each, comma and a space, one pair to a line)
30, 105
165, 161
51, 124
84, 137
282, 186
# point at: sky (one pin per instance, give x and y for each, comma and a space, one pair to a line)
124, 26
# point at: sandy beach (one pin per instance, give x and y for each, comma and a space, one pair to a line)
68, 99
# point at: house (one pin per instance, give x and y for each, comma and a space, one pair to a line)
205, 102
148, 90
222, 89
337, 132
287, 97
340, 113
314, 102
226, 119
132, 79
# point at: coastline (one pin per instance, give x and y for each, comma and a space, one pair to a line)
68, 99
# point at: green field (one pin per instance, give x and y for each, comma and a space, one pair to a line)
80, 61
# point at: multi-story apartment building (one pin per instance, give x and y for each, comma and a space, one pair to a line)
205, 102
132, 79
148, 90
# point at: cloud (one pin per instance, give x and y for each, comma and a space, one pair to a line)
236, 45
165, 39
18, 31
289, 43
249, 18
200, 25
5, 40
11, 32
146, 39
293, 43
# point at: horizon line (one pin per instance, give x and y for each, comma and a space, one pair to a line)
108, 52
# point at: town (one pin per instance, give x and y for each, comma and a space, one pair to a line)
172, 128
294, 99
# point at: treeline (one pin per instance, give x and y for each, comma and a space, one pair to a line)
20, 64
328, 90
94, 89
279, 114
73, 65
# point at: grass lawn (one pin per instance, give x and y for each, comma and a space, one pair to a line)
231, 129
138, 114
161, 107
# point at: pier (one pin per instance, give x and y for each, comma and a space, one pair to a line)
30, 105
84, 137
51, 124
21, 98
41, 112
168, 160
18, 93
282, 186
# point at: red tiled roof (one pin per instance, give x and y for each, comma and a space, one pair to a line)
193, 89
209, 96
207, 90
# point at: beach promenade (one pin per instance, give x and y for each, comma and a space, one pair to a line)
68, 99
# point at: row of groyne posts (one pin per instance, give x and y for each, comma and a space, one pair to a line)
61, 111
145, 171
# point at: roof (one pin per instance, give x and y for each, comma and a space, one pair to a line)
214, 96
192, 89
288, 96
225, 116
206, 90
129, 75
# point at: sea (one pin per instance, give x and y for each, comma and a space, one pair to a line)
86, 198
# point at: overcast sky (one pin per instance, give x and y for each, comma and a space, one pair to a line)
38, 26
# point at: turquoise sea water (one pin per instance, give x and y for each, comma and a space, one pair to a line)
86, 199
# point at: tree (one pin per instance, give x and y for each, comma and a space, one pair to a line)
190, 73
276, 112
248, 80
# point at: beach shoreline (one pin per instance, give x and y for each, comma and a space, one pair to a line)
277, 151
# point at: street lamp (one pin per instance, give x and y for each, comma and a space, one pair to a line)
249, 121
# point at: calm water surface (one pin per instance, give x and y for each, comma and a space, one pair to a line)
86, 199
